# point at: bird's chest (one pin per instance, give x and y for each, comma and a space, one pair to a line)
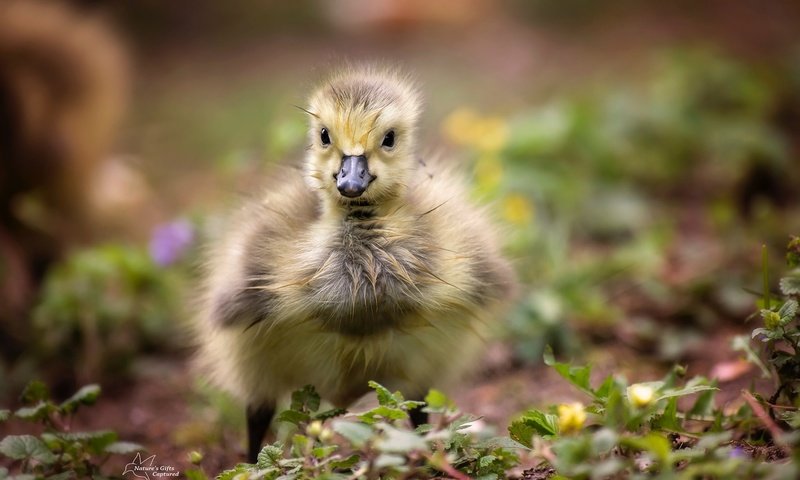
370, 280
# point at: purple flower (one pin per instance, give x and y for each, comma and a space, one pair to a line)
738, 452
170, 241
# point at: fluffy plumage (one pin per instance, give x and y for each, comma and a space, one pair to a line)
311, 287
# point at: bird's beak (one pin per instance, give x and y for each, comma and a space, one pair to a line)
353, 177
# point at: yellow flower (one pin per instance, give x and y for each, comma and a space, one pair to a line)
772, 320
517, 209
460, 125
571, 417
491, 134
326, 435
465, 126
314, 428
488, 173
641, 395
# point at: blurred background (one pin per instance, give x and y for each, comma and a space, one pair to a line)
637, 153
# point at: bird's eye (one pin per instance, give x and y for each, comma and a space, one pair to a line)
388, 139
326, 139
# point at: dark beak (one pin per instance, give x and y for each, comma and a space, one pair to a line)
353, 177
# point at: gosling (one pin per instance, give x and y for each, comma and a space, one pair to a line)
370, 263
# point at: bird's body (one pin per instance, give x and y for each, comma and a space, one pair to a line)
317, 283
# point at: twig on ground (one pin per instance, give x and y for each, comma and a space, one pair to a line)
768, 422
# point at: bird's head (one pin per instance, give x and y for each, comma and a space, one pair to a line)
362, 135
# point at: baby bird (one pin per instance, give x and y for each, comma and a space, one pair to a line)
370, 263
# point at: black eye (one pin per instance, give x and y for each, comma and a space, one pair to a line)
323, 135
388, 140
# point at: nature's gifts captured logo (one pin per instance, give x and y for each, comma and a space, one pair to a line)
144, 468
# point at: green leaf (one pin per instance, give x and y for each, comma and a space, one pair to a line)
96, 441
20, 447
578, 376
323, 452
437, 401
52, 440
791, 285
653, 443
668, 420
500, 442
792, 418
409, 404
328, 414
270, 455
788, 311
389, 460
742, 343
299, 444
688, 390
395, 440
241, 468
488, 476
87, 395
22, 476
70, 476
35, 392
704, 405
382, 412
4, 414
38, 412
385, 397
604, 390
195, 474
293, 416
533, 422
305, 400
356, 433
604, 440
759, 331
123, 448
348, 462
486, 461
462, 422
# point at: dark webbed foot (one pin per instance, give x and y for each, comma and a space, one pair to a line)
258, 420
418, 417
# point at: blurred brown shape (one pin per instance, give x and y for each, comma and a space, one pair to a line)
63, 88
400, 14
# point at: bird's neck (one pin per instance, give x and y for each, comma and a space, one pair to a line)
358, 212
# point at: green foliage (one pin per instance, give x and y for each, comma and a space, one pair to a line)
779, 352
58, 452
379, 443
102, 306
625, 431
638, 431
606, 174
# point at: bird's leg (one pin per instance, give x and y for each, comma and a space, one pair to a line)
258, 420
418, 417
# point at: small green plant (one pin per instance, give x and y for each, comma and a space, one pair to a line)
633, 431
103, 305
378, 443
779, 355
57, 453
